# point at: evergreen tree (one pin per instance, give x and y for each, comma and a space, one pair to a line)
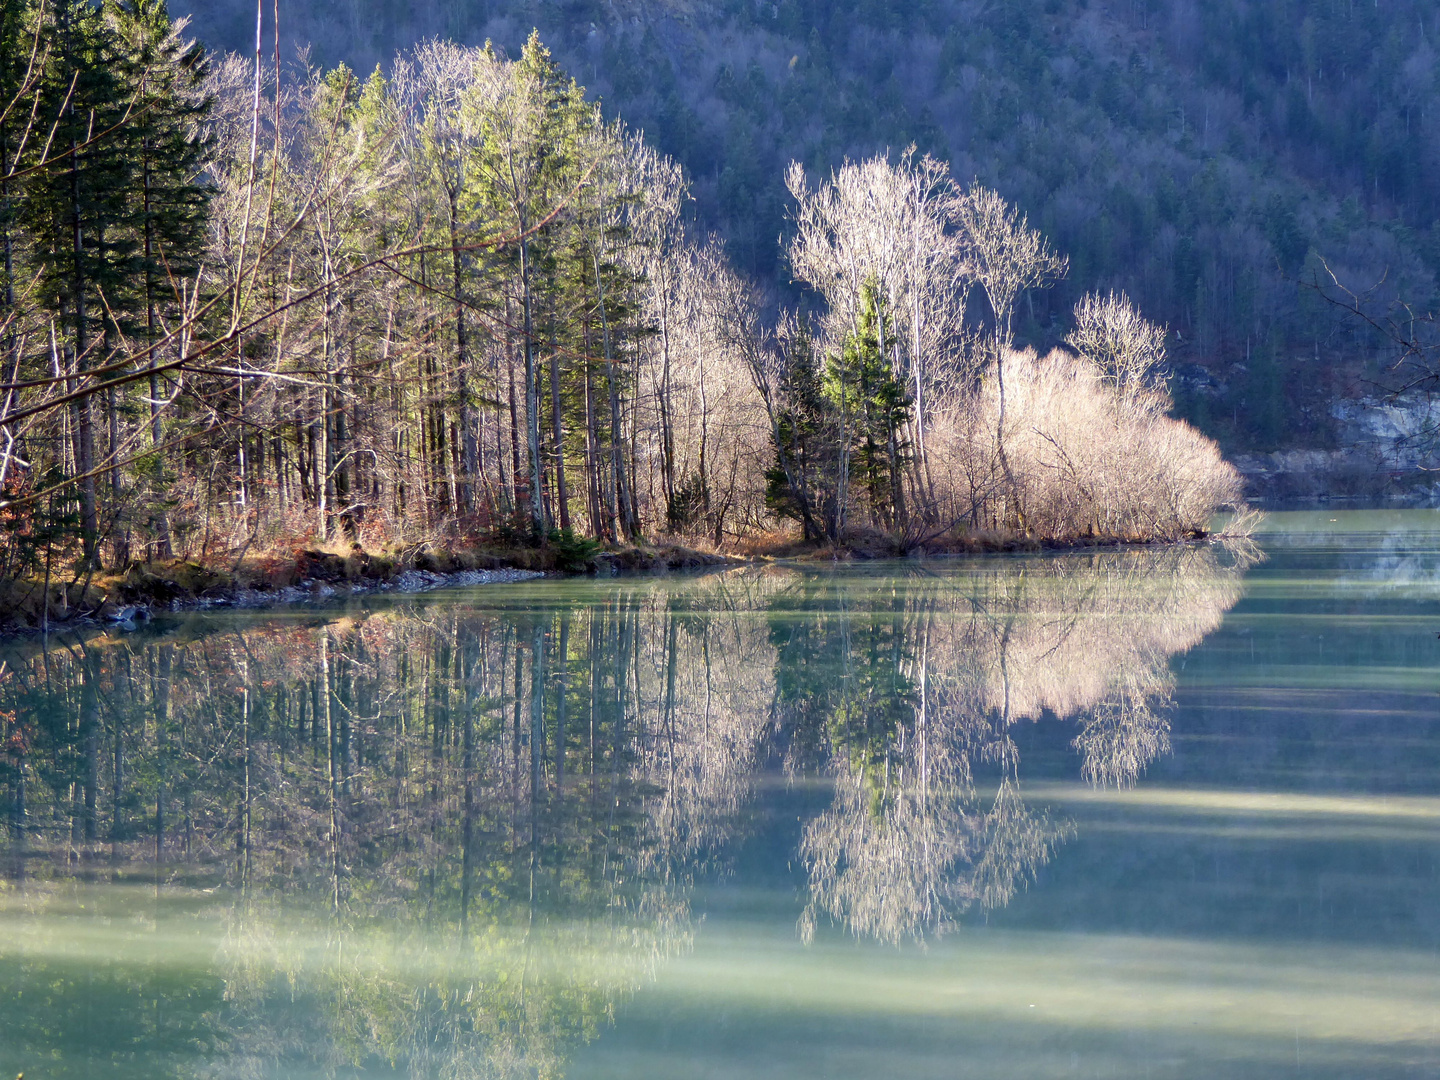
17, 44
862, 385
801, 484
79, 213
527, 163
164, 74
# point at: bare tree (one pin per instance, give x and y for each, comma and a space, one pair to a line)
1127, 347
1007, 257
889, 223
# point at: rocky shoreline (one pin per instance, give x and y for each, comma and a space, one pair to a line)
319, 590
130, 615
144, 591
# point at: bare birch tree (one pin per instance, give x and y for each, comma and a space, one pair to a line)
1127, 347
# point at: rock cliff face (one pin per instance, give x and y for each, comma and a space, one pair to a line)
1385, 446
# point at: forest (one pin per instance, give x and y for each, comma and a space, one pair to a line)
254, 307
1207, 158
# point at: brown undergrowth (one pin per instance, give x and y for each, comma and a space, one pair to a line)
29, 604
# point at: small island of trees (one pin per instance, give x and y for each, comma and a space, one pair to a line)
252, 310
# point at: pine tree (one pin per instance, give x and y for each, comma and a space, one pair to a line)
17, 49
164, 74
78, 211
527, 164
801, 483
873, 408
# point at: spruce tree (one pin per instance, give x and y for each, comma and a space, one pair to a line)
874, 408
801, 483
17, 45
163, 73
78, 212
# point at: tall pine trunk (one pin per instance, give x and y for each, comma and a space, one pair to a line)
620, 504
84, 406
532, 395
462, 365
562, 495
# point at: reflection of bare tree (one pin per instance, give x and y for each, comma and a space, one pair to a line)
930, 852
510, 1002
905, 848
450, 839
884, 874
708, 688
1126, 731
454, 837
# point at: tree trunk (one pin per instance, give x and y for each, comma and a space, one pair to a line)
532, 397
562, 495
667, 434
462, 365
620, 506
592, 454
515, 438
84, 409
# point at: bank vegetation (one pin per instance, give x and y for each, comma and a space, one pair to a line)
252, 311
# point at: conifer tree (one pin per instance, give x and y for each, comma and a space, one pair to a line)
17, 56
870, 398
801, 483
78, 212
527, 163
164, 74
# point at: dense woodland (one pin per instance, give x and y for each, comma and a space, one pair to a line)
1200, 156
252, 305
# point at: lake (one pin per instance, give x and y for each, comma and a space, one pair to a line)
1154, 813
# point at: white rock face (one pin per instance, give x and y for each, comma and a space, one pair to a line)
1400, 432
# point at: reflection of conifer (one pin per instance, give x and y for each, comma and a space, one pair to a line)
450, 774
874, 702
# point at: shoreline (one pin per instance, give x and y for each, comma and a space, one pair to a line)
145, 591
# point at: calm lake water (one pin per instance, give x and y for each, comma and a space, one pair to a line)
1170, 813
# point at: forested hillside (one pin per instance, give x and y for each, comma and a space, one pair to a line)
1201, 156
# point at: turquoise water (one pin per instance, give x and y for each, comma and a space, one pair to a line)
1170, 813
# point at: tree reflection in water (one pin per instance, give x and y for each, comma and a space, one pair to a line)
450, 838
916, 682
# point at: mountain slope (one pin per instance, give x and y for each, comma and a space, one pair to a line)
1200, 156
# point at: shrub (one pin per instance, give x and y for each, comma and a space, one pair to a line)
573, 554
1087, 458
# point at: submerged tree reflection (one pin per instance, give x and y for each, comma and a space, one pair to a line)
445, 838
942, 669
450, 839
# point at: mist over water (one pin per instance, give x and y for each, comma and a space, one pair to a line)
1169, 812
